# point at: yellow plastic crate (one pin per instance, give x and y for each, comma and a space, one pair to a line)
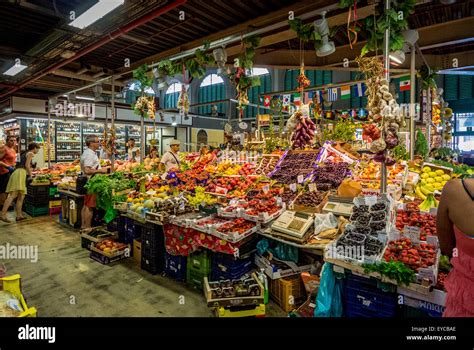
12, 285
54, 204
258, 311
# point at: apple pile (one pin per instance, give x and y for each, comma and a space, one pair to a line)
109, 246
415, 257
413, 217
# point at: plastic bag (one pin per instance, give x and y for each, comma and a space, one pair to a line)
349, 188
323, 222
328, 300
281, 251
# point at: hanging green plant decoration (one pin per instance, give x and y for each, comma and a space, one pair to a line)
396, 18
145, 105
427, 76
241, 77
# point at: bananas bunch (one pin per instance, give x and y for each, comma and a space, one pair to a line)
428, 203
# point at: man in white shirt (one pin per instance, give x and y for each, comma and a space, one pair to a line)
133, 151
170, 159
90, 165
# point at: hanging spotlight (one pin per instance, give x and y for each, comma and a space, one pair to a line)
220, 56
410, 37
327, 47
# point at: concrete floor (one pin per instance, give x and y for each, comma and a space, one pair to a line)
66, 282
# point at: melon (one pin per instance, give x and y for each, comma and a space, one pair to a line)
149, 204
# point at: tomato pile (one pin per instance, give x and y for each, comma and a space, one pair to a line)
246, 169
413, 217
239, 226
262, 206
415, 257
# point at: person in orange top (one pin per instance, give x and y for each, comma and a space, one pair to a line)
7, 163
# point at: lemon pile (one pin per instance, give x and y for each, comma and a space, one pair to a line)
431, 180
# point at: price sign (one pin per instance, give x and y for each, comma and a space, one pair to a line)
266, 188
300, 179
312, 188
370, 200
293, 187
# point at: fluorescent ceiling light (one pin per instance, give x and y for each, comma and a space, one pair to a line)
397, 56
96, 12
85, 98
15, 69
9, 121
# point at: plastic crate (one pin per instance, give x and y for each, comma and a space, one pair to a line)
38, 189
36, 211
12, 285
195, 279
412, 307
37, 200
54, 204
54, 211
199, 262
362, 298
225, 266
53, 191
153, 265
175, 267
288, 292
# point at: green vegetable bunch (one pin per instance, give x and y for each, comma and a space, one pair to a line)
394, 270
399, 152
103, 186
421, 144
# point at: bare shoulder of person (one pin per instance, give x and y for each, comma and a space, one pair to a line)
452, 187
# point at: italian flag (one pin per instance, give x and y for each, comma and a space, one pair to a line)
345, 92
405, 83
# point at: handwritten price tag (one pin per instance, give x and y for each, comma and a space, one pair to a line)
293, 187
266, 189
300, 179
312, 188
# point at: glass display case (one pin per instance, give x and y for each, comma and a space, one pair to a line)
121, 136
68, 141
37, 131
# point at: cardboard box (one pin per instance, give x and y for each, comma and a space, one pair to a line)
137, 251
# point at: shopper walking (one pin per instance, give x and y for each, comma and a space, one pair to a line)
7, 162
16, 187
90, 165
455, 229
170, 159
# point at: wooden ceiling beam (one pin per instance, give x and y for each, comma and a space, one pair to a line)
262, 21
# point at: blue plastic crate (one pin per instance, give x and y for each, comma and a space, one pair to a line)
225, 266
364, 299
175, 267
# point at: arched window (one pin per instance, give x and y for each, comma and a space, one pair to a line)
258, 71
212, 88
265, 86
172, 94
201, 138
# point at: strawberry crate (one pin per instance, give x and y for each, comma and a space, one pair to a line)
428, 275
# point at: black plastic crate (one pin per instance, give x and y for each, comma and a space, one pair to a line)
37, 200
38, 190
132, 231
153, 265
175, 267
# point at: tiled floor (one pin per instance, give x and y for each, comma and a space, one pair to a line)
66, 282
